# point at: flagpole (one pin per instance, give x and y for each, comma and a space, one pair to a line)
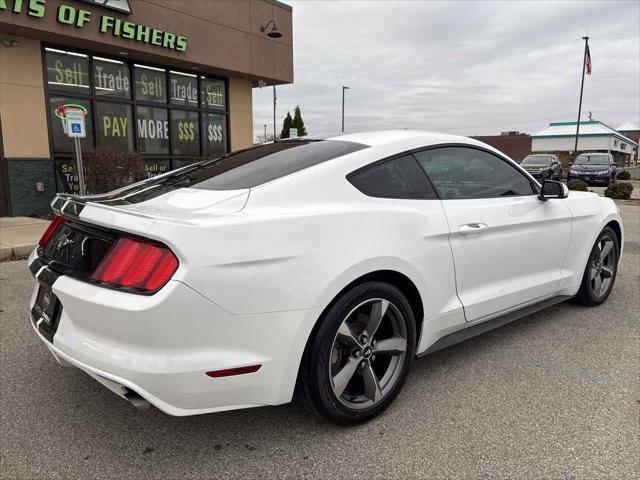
584, 64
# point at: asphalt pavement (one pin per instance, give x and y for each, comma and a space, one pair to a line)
555, 395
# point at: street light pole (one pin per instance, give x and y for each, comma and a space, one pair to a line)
274, 112
343, 89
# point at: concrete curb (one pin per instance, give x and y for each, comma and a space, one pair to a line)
16, 251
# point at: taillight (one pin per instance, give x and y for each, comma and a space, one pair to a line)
51, 229
140, 265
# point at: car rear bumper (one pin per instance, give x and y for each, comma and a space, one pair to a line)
161, 346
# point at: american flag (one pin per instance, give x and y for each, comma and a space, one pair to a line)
587, 60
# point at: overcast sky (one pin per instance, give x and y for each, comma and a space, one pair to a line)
466, 67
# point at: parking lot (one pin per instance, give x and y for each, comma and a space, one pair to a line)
555, 395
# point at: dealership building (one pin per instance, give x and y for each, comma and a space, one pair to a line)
169, 80
593, 136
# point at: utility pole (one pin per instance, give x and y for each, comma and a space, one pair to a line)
265, 133
584, 64
343, 89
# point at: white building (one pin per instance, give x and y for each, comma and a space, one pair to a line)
595, 136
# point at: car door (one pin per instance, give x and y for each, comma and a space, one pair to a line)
508, 246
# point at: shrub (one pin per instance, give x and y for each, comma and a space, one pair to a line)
578, 185
108, 169
623, 175
619, 191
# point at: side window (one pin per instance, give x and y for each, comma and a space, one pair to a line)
462, 173
398, 178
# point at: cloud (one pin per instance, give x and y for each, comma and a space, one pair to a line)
459, 67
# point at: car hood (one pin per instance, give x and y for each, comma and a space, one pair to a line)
533, 166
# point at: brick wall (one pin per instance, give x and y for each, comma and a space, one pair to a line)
515, 146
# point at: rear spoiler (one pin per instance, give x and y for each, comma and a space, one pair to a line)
67, 205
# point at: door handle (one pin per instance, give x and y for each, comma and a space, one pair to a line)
473, 228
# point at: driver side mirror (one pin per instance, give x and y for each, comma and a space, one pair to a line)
553, 189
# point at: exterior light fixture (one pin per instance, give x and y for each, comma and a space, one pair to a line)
274, 32
9, 42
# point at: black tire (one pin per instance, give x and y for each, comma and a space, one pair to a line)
317, 386
588, 294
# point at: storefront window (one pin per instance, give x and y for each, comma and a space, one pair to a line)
66, 176
61, 142
213, 94
214, 134
180, 162
151, 84
67, 71
172, 118
114, 126
153, 130
184, 89
156, 166
185, 132
111, 78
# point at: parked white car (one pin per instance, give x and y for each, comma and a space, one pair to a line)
325, 263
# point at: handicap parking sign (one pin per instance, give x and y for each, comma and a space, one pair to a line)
75, 123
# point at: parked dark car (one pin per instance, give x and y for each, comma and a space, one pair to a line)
593, 168
541, 166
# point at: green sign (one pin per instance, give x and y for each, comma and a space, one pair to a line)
70, 15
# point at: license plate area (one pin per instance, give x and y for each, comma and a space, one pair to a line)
45, 313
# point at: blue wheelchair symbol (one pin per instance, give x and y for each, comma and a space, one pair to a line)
75, 128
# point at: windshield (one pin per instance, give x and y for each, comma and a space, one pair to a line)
537, 160
599, 159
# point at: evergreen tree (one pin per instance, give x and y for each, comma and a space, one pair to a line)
298, 123
286, 125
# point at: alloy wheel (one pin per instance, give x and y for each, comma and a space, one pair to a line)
368, 353
602, 266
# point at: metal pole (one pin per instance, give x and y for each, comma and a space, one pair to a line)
79, 167
584, 64
274, 112
265, 133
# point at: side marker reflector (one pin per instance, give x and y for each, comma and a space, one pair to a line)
230, 372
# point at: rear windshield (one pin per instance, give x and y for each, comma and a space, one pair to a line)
239, 170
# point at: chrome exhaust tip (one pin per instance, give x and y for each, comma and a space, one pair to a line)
137, 401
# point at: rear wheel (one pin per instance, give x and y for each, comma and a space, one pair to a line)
360, 354
600, 273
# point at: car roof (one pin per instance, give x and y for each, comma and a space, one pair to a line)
387, 137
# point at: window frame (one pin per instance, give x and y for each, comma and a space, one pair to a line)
133, 102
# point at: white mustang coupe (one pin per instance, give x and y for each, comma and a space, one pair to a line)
323, 264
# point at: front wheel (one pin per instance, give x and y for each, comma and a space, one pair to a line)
602, 267
360, 354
